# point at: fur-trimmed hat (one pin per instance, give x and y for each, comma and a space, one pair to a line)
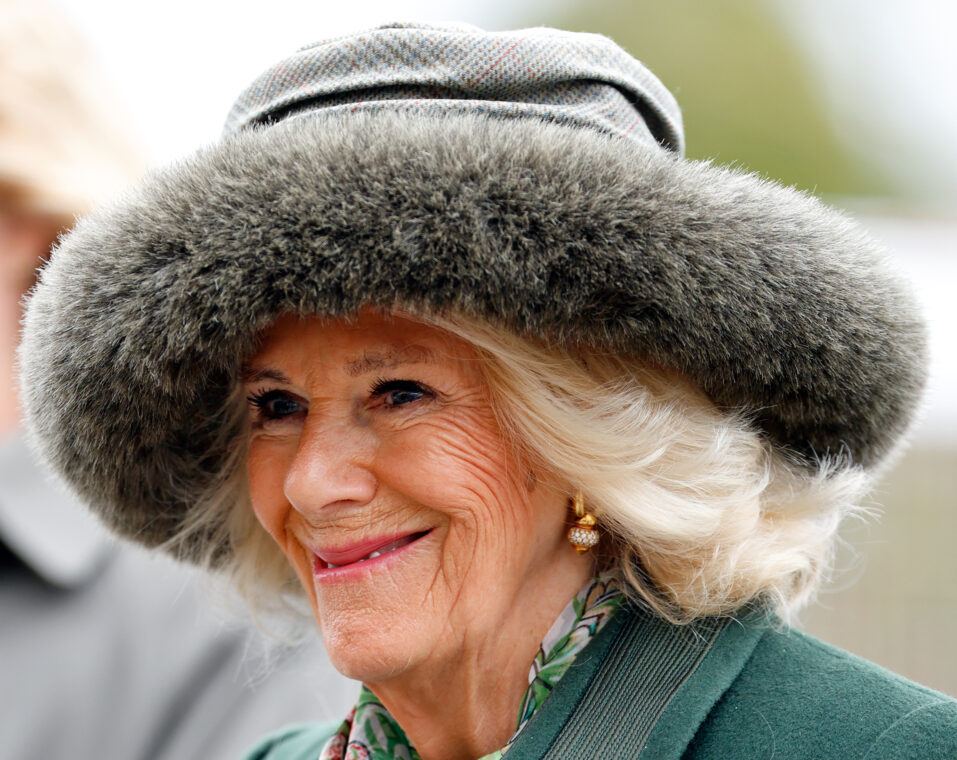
529, 178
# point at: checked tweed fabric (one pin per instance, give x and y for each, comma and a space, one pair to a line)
583, 80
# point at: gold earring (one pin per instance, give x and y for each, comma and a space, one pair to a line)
584, 535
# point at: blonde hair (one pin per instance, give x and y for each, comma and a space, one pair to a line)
703, 515
700, 515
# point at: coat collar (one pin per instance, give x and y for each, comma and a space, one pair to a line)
54, 536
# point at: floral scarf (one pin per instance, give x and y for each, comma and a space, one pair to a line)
369, 732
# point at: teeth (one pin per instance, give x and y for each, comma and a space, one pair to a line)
376, 553
384, 550
391, 547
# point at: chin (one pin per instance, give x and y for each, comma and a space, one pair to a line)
370, 650
382, 615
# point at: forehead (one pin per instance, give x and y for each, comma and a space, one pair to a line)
370, 342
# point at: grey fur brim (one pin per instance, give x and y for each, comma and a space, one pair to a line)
769, 301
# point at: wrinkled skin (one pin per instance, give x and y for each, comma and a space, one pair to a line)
379, 427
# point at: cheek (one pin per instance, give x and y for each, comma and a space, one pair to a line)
267, 463
266, 466
463, 467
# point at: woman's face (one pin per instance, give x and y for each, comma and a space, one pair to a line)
378, 466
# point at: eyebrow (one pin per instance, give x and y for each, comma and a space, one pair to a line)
371, 361
251, 375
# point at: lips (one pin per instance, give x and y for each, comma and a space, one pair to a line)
332, 558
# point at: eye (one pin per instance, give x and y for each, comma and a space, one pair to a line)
275, 405
400, 392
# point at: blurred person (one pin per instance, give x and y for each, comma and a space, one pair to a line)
105, 652
550, 429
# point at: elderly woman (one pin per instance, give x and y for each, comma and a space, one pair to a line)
550, 429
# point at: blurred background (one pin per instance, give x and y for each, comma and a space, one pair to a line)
853, 100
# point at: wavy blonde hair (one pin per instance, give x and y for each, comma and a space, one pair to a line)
700, 515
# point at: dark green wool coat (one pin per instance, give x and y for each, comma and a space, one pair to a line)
722, 690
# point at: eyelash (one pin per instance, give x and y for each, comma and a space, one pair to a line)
261, 400
381, 387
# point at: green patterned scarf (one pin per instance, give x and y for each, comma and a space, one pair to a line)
369, 732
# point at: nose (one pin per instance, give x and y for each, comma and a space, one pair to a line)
332, 465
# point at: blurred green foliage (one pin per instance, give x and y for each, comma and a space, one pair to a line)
746, 91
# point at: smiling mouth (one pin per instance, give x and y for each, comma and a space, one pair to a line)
331, 559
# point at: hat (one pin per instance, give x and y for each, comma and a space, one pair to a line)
531, 179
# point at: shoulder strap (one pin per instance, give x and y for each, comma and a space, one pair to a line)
635, 682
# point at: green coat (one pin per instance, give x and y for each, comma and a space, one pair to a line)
725, 689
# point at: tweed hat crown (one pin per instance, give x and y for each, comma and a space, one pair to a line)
532, 179
576, 79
